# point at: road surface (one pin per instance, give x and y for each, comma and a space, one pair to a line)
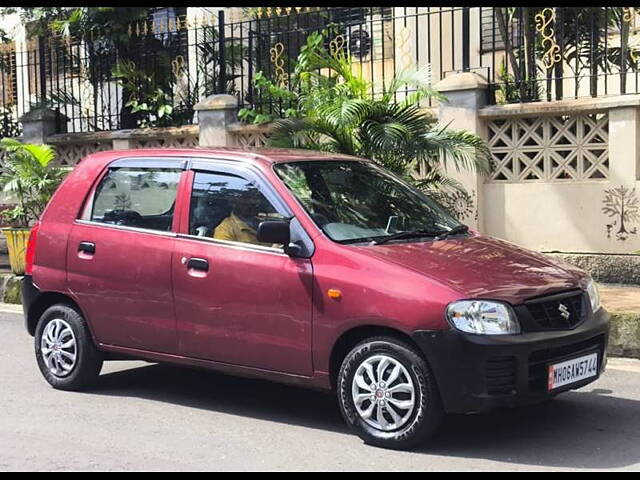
154, 417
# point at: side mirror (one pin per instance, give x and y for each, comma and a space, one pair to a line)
277, 231
274, 231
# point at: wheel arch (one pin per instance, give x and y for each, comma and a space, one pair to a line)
44, 301
353, 336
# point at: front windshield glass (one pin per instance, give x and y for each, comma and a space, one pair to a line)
354, 201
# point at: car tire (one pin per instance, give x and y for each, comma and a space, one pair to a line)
413, 384
66, 355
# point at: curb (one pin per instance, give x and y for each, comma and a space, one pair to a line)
10, 308
624, 339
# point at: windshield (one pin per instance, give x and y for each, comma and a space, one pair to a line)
354, 201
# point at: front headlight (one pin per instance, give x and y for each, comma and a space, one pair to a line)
483, 317
594, 296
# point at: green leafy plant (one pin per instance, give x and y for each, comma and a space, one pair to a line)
31, 176
332, 109
511, 91
150, 105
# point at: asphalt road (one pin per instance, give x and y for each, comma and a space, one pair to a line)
153, 417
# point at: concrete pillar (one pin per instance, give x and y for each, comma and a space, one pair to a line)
121, 139
624, 145
215, 114
466, 93
39, 123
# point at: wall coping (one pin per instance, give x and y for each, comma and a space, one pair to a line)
555, 107
219, 101
137, 133
462, 81
239, 127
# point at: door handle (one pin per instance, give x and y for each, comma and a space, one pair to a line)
87, 247
198, 264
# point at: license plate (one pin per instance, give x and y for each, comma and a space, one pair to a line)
572, 371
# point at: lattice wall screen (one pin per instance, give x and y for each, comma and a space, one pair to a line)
251, 139
549, 149
186, 141
68, 154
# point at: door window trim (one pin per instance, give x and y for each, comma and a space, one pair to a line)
80, 221
192, 164
246, 172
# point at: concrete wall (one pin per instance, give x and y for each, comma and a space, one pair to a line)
567, 214
577, 173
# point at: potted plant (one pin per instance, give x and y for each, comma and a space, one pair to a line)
30, 177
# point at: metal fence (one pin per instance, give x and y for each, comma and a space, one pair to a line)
166, 64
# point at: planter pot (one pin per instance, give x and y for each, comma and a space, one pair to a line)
17, 239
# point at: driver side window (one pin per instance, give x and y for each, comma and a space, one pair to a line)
228, 207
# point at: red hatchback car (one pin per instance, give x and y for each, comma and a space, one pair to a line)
319, 270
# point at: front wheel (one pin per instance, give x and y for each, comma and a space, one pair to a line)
388, 395
65, 352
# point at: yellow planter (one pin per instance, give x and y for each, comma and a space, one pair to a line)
17, 239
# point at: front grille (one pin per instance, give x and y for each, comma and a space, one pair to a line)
557, 312
501, 375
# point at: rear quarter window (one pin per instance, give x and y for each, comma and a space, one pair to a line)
137, 197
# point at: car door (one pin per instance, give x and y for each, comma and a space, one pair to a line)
119, 254
237, 301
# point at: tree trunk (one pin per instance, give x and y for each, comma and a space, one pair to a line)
502, 15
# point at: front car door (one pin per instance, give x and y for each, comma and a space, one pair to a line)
237, 301
119, 254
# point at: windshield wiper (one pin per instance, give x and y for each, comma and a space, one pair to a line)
441, 235
453, 231
407, 234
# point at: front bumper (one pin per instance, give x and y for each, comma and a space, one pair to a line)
477, 372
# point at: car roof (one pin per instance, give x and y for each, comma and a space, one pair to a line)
249, 154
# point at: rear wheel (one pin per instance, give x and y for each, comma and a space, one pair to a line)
388, 395
65, 352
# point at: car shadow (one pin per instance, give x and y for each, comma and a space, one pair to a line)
583, 429
204, 389
579, 429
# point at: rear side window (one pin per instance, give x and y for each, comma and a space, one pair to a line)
137, 197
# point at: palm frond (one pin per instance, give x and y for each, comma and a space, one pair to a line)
460, 147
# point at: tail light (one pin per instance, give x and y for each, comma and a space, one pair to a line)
31, 249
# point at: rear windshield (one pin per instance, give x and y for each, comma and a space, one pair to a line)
353, 201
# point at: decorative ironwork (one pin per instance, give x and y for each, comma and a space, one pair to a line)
268, 12
546, 18
404, 36
627, 14
282, 77
337, 44
178, 66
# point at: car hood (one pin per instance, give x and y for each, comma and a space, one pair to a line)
483, 267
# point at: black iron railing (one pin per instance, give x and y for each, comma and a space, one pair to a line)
165, 65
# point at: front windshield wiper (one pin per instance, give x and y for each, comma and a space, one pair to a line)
407, 234
441, 235
453, 231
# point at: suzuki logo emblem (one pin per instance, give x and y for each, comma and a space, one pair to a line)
564, 311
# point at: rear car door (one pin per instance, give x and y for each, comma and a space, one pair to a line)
119, 254
238, 301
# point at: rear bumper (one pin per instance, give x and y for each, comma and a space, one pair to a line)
29, 294
476, 373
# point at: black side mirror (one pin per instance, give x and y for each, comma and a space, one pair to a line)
277, 231
274, 231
